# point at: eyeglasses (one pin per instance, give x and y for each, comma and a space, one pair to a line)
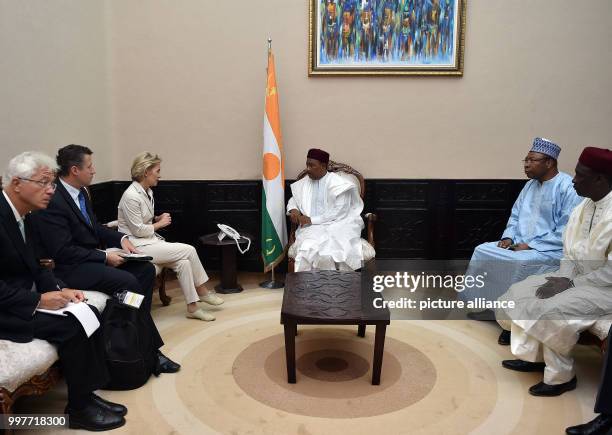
43, 184
530, 160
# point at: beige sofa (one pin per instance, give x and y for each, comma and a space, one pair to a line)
29, 368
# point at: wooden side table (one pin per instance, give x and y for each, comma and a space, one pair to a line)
229, 275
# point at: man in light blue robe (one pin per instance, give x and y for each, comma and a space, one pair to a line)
532, 242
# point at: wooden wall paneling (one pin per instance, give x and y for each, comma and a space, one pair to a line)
417, 219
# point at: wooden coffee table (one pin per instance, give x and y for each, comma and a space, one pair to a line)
330, 298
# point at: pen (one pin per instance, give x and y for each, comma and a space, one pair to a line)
58, 287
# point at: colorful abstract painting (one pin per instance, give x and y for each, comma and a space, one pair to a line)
392, 36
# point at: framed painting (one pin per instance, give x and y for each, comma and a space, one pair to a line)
386, 37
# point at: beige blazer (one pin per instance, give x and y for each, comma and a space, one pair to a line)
135, 215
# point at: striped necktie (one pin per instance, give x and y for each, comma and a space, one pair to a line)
21, 229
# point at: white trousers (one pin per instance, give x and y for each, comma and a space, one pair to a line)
320, 262
183, 259
559, 368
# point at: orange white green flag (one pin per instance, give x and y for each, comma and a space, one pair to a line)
273, 220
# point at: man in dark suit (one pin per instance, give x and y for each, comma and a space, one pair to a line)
70, 234
601, 424
25, 286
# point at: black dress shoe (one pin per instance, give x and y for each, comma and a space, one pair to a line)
109, 406
166, 365
504, 338
482, 316
600, 425
543, 389
94, 418
523, 366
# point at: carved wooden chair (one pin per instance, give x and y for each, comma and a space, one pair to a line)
355, 177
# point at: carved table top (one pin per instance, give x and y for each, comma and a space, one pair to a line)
328, 297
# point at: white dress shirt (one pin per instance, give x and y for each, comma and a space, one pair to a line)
18, 217
73, 192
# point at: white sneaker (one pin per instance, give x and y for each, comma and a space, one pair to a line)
212, 299
200, 314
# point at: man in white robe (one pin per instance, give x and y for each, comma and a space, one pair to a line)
553, 309
532, 241
328, 210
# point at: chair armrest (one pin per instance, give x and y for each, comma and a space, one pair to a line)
371, 219
292, 234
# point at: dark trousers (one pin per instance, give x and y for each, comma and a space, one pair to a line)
135, 276
81, 358
603, 405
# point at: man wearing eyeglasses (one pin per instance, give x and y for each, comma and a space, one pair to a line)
28, 185
532, 241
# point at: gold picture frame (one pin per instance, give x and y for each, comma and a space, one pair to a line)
386, 37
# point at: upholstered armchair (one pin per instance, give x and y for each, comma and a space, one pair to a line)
356, 178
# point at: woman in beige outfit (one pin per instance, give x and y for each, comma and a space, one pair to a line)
137, 219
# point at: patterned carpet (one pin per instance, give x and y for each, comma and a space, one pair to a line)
438, 377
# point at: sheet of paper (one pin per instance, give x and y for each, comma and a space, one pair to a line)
81, 311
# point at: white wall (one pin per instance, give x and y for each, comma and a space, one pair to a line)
186, 79
54, 86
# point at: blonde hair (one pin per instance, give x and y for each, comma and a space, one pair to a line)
142, 162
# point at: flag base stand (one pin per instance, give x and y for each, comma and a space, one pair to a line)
272, 283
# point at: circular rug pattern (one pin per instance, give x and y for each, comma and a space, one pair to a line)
224, 389
333, 364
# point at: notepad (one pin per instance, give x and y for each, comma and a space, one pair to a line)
135, 257
81, 311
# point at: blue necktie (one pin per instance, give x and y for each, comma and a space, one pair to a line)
83, 208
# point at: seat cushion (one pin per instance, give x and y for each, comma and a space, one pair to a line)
368, 250
97, 299
20, 361
601, 328
158, 269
